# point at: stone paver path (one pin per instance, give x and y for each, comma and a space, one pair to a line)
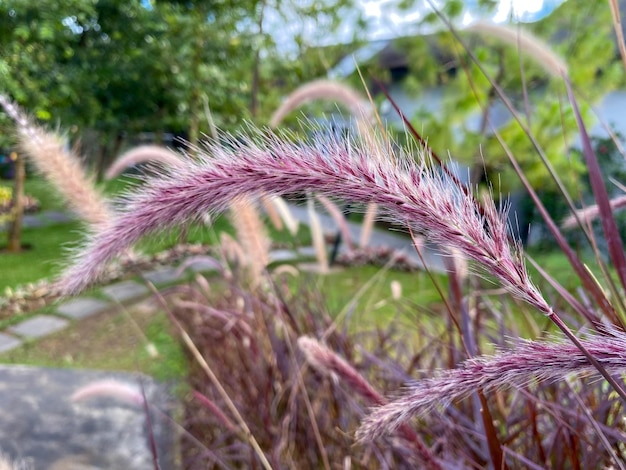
38, 326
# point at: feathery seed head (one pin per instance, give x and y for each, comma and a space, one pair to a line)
530, 361
64, 170
528, 44
143, 154
408, 192
328, 362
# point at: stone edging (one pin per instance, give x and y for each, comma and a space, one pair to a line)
42, 325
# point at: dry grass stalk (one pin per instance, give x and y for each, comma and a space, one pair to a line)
619, 32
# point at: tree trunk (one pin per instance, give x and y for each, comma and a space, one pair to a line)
17, 207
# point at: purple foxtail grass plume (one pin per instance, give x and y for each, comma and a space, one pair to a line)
143, 154
229, 319
531, 361
215, 410
56, 163
338, 217
590, 213
528, 44
408, 192
326, 361
121, 391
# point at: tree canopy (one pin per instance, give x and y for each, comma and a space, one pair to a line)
579, 31
115, 67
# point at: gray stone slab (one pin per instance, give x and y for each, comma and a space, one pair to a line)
163, 276
125, 291
44, 424
282, 256
8, 342
58, 216
82, 307
200, 265
38, 326
292, 255
33, 221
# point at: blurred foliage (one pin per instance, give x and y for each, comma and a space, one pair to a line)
110, 69
578, 30
611, 159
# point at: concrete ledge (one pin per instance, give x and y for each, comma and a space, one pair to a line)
163, 276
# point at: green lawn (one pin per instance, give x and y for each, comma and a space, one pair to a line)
43, 257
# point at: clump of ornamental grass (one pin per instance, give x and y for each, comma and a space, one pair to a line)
256, 343
407, 191
297, 380
535, 404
